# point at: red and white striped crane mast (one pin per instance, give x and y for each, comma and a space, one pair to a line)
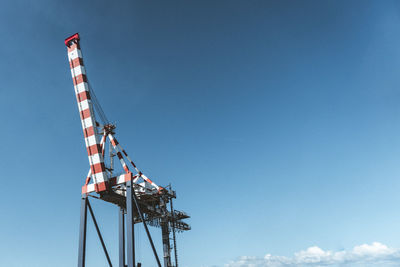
138, 198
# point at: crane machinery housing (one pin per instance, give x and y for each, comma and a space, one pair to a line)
138, 198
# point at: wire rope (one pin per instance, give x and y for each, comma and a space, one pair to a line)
95, 101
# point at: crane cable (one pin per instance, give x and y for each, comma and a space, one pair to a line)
95, 101
97, 105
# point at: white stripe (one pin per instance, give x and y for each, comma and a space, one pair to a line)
74, 54
91, 140
96, 159
100, 177
120, 179
103, 139
87, 122
78, 70
83, 105
81, 87
153, 184
90, 188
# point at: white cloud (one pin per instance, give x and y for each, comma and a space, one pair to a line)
375, 254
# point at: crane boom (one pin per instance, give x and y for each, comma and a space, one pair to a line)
88, 120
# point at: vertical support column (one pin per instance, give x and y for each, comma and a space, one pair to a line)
165, 233
82, 232
173, 232
166, 244
121, 237
130, 230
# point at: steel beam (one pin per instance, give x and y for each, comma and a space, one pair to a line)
145, 227
99, 234
166, 244
130, 225
173, 233
82, 232
121, 231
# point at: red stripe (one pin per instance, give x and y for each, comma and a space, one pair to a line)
119, 155
97, 187
85, 114
128, 177
98, 167
148, 180
89, 131
83, 96
100, 187
79, 79
113, 142
76, 62
94, 149
124, 152
84, 189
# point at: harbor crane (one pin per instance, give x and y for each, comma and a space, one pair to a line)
138, 198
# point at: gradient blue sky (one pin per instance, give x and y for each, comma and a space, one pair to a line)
277, 122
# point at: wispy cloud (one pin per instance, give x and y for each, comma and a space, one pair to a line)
375, 254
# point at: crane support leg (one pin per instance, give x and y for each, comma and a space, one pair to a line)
166, 244
173, 233
130, 224
121, 238
82, 232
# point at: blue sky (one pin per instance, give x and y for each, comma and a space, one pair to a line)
277, 122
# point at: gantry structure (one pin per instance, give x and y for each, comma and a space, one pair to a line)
139, 199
